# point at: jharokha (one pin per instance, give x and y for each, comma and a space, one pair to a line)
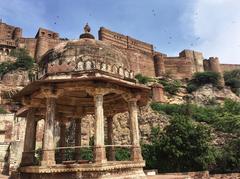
76, 78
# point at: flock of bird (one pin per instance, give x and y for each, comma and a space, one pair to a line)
170, 38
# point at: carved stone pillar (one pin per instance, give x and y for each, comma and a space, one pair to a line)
48, 157
62, 141
78, 134
30, 139
100, 153
111, 149
136, 154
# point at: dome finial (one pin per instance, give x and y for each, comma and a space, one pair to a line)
87, 28
86, 33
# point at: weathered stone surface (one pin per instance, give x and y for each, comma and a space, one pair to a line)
16, 78
208, 93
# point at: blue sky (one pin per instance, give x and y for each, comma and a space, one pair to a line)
210, 26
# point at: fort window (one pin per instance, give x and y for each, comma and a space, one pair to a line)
42, 33
49, 35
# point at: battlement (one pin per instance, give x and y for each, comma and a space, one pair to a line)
124, 41
47, 34
9, 32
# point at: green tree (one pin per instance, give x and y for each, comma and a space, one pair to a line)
182, 146
202, 78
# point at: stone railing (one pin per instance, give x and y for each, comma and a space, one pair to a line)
7, 42
85, 66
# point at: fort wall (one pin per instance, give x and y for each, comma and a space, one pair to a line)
229, 67
178, 67
141, 56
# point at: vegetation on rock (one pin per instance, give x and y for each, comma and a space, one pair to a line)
232, 79
143, 79
172, 87
23, 61
185, 145
201, 78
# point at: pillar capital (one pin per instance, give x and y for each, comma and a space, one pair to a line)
51, 92
131, 97
97, 91
80, 112
29, 102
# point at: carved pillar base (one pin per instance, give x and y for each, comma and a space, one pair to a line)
48, 158
27, 159
100, 155
136, 153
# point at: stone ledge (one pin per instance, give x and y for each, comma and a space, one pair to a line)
59, 168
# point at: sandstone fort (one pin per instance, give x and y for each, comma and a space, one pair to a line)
88, 84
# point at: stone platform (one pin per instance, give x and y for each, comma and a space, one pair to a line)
113, 170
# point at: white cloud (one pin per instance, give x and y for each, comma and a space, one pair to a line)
217, 24
25, 13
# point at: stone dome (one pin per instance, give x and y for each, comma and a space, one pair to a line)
86, 54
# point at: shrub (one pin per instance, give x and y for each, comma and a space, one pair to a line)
2, 111
143, 79
229, 158
23, 61
224, 118
232, 79
172, 87
202, 78
122, 154
192, 87
209, 77
182, 146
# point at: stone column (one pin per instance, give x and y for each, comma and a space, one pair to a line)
48, 157
136, 154
78, 134
30, 139
62, 140
99, 153
111, 150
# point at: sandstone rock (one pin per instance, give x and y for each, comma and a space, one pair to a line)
16, 78
207, 93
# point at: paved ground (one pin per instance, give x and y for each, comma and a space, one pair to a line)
168, 177
149, 177
3, 177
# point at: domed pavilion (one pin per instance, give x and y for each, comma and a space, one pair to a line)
75, 79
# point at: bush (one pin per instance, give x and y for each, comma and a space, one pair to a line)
122, 154
209, 77
23, 61
229, 158
203, 78
172, 87
143, 79
232, 79
182, 146
224, 118
2, 111
192, 87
